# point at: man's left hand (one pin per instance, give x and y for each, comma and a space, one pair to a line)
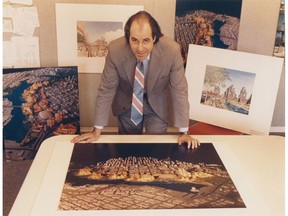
191, 142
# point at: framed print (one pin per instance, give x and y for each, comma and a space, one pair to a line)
84, 32
232, 89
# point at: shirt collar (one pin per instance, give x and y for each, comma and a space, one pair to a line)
148, 57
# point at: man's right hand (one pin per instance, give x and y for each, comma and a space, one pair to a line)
87, 137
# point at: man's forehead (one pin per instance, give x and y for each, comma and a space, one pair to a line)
140, 28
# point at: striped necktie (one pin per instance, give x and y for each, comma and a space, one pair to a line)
138, 92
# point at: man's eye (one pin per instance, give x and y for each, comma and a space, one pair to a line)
146, 41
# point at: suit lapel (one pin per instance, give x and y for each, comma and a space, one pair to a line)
155, 67
129, 64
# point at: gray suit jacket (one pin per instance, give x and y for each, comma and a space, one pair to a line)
166, 85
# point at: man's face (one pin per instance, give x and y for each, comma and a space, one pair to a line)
141, 40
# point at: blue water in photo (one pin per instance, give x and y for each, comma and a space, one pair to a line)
216, 37
228, 7
16, 123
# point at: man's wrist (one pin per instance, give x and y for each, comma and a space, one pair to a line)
98, 127
184, 130
97, 130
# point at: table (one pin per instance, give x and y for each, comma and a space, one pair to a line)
255, 163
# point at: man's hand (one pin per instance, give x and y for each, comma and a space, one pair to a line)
191, 142
88, 137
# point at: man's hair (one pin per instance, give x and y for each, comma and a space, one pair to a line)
143, 15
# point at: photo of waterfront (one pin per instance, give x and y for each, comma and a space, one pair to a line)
228, 89
38, 103
147, 176
213, 23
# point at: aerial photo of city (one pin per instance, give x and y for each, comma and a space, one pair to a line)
38, 103
213, 23
147, 176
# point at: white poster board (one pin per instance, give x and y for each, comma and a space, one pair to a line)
232, 89
104, 22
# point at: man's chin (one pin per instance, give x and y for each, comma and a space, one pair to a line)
141, 57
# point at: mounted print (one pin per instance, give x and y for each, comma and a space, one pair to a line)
213, 23
231, 89
38, 103
84, 32
137, 178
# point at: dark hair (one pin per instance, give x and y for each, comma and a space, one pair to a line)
156, 30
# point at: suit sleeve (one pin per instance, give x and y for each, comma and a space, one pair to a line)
179, 91
106, 92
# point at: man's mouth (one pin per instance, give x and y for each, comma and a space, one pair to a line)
141, 54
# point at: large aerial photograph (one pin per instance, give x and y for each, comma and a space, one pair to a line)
38, 103
147, 176
213, 23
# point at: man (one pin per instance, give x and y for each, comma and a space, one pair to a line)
163, 79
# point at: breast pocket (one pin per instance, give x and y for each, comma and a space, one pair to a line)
162, 83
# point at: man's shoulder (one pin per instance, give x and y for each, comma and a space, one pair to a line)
168, 43
118, 47
121, 41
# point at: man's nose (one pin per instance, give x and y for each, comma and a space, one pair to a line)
140, 46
